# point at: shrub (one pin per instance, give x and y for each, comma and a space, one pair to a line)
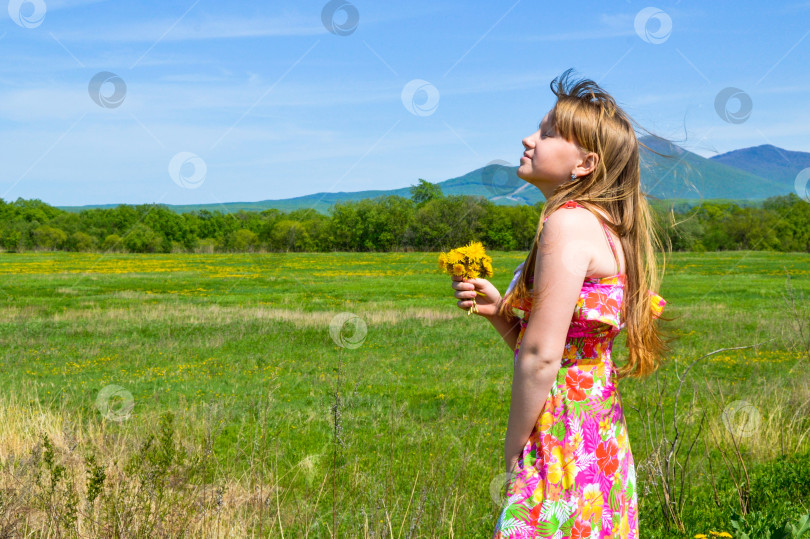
49, 237
79, 241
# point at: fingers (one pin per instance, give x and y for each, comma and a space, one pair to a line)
465, 291
462, 286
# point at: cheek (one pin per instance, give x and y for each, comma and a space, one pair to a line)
558, 154
542, 156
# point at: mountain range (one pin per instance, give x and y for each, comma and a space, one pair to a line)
745, 176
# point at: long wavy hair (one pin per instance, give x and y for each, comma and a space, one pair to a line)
588, 116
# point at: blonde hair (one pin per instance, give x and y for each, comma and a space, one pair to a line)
588, 116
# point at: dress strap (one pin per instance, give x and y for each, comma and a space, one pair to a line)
569, 204
612, 247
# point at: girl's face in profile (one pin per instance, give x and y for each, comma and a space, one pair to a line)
549, 159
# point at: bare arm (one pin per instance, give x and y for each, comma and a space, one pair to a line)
560, 270
489, 301
508, 330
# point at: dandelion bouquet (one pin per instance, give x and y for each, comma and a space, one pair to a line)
468, 262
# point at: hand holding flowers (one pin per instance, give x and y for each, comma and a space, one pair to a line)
467, 265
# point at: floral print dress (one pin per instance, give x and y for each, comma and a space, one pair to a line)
575, 477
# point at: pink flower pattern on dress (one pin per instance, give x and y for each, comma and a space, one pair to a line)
575, 477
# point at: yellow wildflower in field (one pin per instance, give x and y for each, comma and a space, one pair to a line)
468, 262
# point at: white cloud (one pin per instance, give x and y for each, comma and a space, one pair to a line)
575, 36
200, 26
53, 5
608, 26
617, 21
190, 28
641, 100
175, 93
790, 9
43, 104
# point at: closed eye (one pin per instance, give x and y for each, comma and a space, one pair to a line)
546, 134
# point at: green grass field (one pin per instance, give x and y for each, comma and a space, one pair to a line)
238, 349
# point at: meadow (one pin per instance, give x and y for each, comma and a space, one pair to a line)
345, 394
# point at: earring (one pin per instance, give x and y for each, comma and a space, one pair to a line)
573, 176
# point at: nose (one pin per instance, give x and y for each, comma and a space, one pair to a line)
526, 142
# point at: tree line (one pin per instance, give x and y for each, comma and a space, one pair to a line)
427, 221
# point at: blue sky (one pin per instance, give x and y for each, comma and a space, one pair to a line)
244, 101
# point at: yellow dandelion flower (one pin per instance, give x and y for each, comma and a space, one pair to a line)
474, 250
472, 258
455, 257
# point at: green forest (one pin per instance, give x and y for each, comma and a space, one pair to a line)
427, 221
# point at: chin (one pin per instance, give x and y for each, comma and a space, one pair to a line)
520, 175
526, 177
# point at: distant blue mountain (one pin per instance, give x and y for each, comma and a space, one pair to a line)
686, 175
747, 175
767, 161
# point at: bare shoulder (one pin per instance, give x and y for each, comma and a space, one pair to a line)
571, 223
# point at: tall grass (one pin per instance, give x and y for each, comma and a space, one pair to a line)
248, 421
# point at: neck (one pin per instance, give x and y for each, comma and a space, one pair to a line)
545, 186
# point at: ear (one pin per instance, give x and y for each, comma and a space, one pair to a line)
588, 164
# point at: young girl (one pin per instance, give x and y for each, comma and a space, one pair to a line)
567, 452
